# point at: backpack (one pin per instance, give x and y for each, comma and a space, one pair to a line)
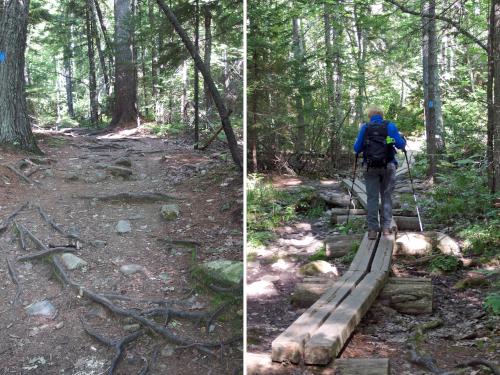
377, 152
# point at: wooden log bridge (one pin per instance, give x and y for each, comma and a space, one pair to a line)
319, 334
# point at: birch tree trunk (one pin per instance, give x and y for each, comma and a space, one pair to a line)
15, 127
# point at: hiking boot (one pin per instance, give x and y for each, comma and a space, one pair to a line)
386, 232
372, 235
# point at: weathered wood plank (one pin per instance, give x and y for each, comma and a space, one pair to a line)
408, 295
289, 345
329, 339
362, 258
362, 366
382, 259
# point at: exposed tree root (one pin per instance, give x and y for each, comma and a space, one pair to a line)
5, 224
15, 280
56, 227
132, 197
149, 367
22, 175
117, 345
33, 238
20, 235
481, 362
424, 360
163, 331
236, 290
48, 251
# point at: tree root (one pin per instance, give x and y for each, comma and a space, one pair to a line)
22, 175
43, 253
163, 331
33, 238
149, 367
20, 234
117, 345
424, 360
133, 197
481, 362
15, 280
7, 221
56, 227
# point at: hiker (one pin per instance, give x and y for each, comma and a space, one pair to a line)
377, 140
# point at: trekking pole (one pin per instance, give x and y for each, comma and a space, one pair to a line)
413, 190
352, 187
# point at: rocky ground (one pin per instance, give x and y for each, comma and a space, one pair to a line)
134, 250
462, 332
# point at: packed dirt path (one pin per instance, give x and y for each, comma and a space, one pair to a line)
207, 190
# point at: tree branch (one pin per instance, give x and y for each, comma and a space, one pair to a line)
455, 24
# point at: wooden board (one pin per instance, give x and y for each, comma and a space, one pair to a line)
382, 259
363, 255
329, 339
408, 295
289, 345
362, 366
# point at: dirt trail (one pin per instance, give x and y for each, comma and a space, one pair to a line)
209, 195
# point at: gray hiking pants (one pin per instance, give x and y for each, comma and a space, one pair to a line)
380, 182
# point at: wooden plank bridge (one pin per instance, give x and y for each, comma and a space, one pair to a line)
321, 332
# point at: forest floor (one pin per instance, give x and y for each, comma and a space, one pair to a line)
465, 331
208, 191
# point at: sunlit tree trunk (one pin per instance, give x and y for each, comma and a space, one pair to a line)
196, 77
496, 93
15, 127
125, 108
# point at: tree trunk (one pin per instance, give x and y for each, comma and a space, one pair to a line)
125, 109
184, 96
208, 53
108, 45
154, 64
94, 106
299, 104
223, 113
68, 76
490, 103
196, 77
15, 127
428, 56
100, 52
361, 43
496, 93
252, 130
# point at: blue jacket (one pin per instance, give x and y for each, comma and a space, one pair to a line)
392, 131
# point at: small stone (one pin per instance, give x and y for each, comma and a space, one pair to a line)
261, 289
318, 267
123, 227
211, 328
71, 176
124, 162
130, 269
42, 308
170, 211
131, 327
99, 244
48, 173
59, 325
72, 262
167, 351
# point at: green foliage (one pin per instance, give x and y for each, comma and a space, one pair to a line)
482, 238
492, 303
355, 225
320, 254
167, 129
349, 257
445, 263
